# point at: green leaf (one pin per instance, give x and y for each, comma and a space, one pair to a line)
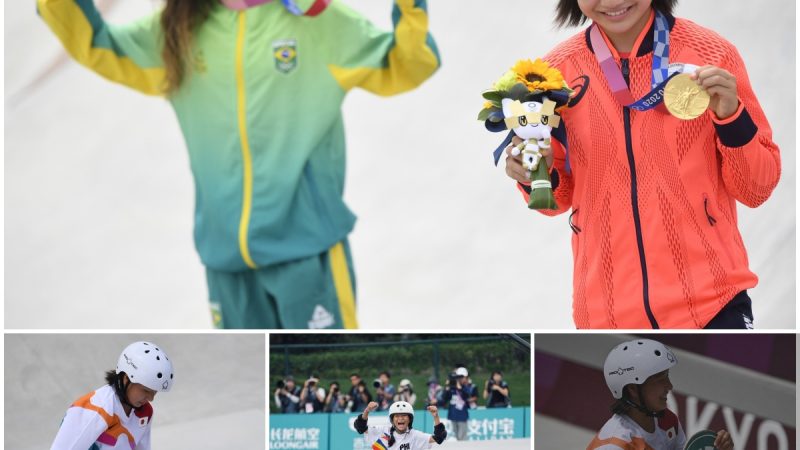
493, 96
518, 91
484, 114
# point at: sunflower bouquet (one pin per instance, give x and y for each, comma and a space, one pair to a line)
527, 100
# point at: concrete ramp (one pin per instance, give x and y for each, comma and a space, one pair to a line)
217, 401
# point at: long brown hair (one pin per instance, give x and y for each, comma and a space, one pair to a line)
179, 21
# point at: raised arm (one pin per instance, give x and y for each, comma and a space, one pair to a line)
128, 54
385, 63
439, 432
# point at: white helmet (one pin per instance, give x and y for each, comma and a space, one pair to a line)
402, 408
633, 362
146, 364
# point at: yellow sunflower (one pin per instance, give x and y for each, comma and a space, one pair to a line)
487, 104
538, 75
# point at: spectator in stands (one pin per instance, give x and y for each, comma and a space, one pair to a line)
434, 391
405, 393
459, 395
495, 392
287, 395
384, 390
334, 402
312, 397
359, 396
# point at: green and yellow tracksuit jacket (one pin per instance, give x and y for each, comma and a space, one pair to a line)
261, 112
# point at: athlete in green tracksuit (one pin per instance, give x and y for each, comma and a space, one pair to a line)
260, 112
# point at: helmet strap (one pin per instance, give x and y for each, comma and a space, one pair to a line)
641, 407
122, 390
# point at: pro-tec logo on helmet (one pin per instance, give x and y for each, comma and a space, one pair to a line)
620, 371
130, 362
285, 53
670, 357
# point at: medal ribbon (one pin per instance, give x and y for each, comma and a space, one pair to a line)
291, 5
315, 9
614, 77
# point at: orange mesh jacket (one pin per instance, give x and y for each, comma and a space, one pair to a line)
656, 242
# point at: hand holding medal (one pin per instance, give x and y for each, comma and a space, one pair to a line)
688, 95
721, 87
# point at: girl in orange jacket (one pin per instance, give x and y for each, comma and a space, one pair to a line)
653, 197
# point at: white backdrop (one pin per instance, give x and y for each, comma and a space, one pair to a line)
99, 196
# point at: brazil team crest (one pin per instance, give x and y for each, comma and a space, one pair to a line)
285, 53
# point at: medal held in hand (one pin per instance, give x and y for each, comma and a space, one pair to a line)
684, 98
527, 100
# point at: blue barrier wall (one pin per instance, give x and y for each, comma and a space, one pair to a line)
299, 431
336, 431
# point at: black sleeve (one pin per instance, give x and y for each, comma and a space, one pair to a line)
439, 433
360, 424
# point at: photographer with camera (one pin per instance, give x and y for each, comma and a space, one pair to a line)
495, 392
384, 390
287, 395
459, 394
359, 396
435, 391
405, 393
334, 402
312, 398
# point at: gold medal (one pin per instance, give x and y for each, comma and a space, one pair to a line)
684, 98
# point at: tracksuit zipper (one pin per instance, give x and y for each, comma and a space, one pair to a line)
626, 114
713, 222
247, 159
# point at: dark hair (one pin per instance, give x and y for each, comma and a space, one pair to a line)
385, 372
621, 406
111, 377
354, 374
569, 14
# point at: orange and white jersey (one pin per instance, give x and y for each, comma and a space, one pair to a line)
97, 421
621, 432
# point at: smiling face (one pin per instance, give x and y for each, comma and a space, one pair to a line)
401, 422
622, 20
654, 392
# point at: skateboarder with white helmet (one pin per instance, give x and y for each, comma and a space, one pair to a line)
119, 414
637, 373
399, 433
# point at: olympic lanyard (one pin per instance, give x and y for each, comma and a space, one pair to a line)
614, 76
